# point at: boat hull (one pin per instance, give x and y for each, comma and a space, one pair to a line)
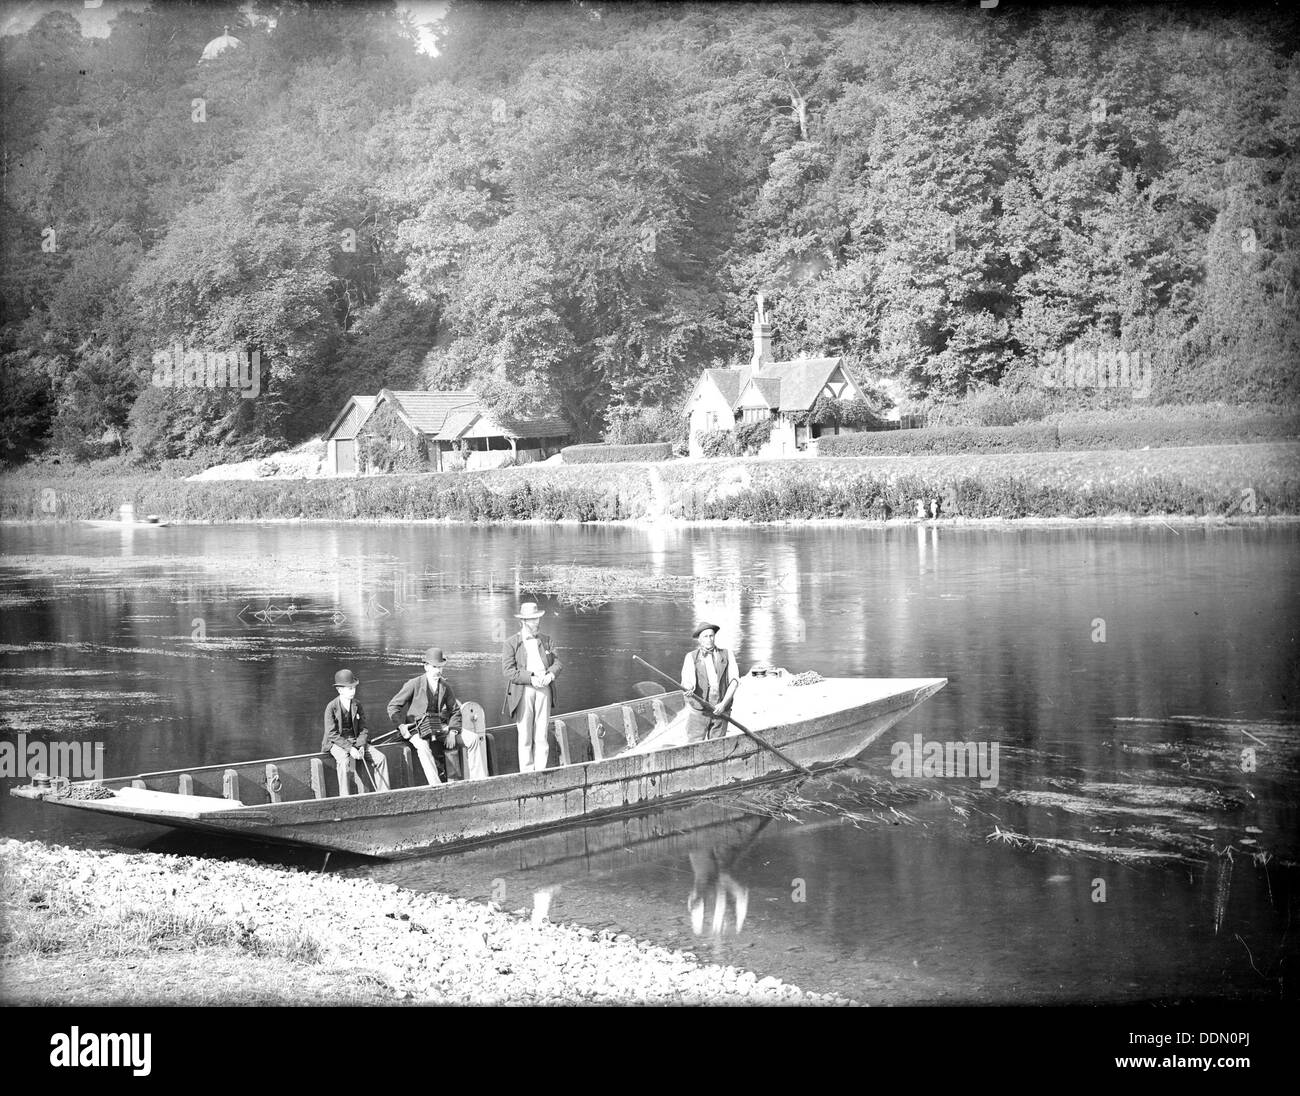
416, 820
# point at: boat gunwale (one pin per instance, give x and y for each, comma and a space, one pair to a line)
324, 754
496, 789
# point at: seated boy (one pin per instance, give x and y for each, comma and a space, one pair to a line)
346, 739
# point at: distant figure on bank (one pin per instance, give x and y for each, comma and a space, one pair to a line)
708, 673
934, 508
920, 509
346, 739
426, 713
530, 668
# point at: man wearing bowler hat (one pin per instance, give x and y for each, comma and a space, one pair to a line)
426, 713
530, 669
346, 739
708, 673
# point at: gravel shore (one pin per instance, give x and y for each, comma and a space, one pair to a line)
146, 928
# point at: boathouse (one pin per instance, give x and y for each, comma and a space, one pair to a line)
435, 431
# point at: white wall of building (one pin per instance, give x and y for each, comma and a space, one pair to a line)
708, 411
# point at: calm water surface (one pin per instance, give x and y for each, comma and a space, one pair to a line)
1140, 685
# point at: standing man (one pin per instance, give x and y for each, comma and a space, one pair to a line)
426, 713
708, 673
530, 669
345, 736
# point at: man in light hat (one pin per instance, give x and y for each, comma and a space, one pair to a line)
346, 739
426, 713
530, 669
708, 673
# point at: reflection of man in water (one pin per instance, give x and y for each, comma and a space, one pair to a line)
711, 870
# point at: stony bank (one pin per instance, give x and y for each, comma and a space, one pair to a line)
102, 927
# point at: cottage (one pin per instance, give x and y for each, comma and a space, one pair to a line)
434, 431
783, 393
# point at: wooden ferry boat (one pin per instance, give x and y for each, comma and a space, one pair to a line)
610, 760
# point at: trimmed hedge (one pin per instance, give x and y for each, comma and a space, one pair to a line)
603, 454
1028, 438
1039, 437
1138, 435
879, 498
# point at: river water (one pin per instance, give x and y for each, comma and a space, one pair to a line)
1137, 686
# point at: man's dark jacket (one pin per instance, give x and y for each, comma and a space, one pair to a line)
514, 664
411, 704
346, 729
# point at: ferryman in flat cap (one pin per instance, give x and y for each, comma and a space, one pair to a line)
708, 673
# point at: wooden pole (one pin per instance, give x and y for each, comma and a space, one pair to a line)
739, 726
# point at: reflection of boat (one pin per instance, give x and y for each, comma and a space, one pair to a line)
288, 799
118, 524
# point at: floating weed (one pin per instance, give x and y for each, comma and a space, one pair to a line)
1069, 847
876, 804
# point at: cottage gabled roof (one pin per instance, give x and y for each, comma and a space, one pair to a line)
427, 411
729, 382
459, 422
769, 388
801, 381
547, 426
363, 404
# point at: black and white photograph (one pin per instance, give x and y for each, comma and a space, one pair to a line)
789, 506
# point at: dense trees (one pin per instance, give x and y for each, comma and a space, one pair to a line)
573, 205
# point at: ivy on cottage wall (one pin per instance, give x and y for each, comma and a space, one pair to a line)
828, 411
386, 444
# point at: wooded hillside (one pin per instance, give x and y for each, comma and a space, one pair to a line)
573, 205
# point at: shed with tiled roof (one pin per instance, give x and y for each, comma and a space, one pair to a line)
435, 429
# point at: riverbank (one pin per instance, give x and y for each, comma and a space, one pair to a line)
95, 927
1202, 481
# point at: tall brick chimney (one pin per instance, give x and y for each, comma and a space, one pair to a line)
762, 337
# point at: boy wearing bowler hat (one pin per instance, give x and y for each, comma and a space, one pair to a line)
426, 713
708, 673
530, 667
346, 738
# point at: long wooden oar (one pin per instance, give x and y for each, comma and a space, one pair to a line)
723, 715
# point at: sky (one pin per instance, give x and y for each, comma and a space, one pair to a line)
16, 16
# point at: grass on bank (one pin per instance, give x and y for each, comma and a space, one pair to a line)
1225, 481
46, 918
57, 948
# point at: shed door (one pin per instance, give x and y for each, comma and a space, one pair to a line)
347, 456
